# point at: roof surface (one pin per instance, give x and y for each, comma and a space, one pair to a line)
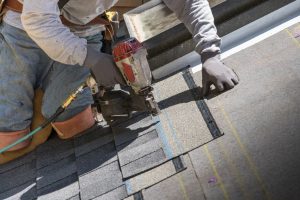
174, 155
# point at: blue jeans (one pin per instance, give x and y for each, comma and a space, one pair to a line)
24, 67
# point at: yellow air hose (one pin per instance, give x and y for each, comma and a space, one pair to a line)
58, 112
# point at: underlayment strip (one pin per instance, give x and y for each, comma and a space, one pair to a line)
202, 106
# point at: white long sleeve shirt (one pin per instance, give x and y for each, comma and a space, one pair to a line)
40, 19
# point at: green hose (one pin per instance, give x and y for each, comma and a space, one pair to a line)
21, 140
58, 112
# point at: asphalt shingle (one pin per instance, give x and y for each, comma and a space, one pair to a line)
57, 148
18, 176
129, 198
96, 159
151, 177
181, 120
65, 188
133, 128
100, 181
119, 193
143, 164
26, 191
56, 172
92, 140
18, 162
76, 197
183, 185
129, 155
138, 141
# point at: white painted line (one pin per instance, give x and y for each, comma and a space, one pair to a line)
253, 41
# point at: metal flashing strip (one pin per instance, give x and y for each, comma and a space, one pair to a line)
202, 106
240, 39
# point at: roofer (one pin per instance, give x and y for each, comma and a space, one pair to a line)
43, 46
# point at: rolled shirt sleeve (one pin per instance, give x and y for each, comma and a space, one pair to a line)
198, 18
41, 21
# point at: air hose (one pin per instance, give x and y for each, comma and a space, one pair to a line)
58, 112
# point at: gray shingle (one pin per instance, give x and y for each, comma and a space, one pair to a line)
145, 163
129, 198
181, 119
183, 185
63, 189
93, 140
133, 154
57, 148
93, 134
149, 178
138, 141
117, 194
18, 162
17, 176
261, 116
55, 172
77, 197
26, 191
133, 128
98, 158
100, 181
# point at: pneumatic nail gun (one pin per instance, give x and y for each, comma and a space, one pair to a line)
130, 58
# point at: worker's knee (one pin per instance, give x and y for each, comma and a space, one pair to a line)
59, 83
7, 138
75, 125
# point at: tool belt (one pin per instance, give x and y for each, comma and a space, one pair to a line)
16, 6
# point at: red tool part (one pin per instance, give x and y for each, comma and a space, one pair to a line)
130, 57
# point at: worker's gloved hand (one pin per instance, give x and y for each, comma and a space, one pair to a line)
215, 72
103, 68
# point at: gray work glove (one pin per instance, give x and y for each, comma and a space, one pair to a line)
103, 68
215, 72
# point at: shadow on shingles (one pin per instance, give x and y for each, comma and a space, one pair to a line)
134, 134
92, 155
186, 97
85, 152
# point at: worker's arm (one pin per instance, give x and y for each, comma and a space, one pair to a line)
198, 18
41, 21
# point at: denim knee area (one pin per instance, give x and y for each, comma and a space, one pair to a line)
62, 80
23, 68
18, 74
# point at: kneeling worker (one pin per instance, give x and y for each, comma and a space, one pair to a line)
53, 45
